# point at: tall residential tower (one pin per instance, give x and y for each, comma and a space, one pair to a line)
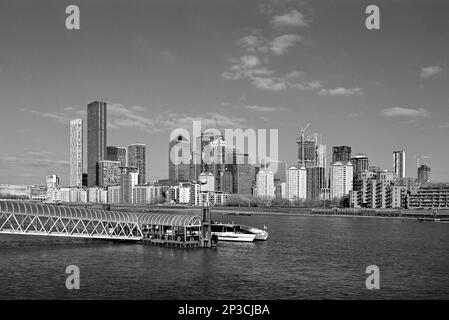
341, 154
399, 163
137, 159
296, 183
76, 153
117, 154
424, 173
341, 175
265, 184
360, 164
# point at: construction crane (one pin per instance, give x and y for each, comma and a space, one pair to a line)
303, 132
418, 160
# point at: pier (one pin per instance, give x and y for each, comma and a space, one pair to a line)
180, 231
171, 230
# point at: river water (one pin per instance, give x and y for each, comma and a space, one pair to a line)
306, 257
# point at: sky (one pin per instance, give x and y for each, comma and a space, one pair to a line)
262, 64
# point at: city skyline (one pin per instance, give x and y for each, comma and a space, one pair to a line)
349, 89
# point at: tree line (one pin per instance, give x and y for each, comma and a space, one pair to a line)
234, 200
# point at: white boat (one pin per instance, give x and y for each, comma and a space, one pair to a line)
237, 233
261, 235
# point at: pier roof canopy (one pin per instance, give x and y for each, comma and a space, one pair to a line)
170, 220
66, 212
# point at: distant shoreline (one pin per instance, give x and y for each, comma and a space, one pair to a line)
404, 215
342, 212
319, 215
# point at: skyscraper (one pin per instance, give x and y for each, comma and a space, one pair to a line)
341, 179
119, 154
52, 181
280, 189
109, 173
265, 184
321, 156
179, 159
194, 171
85, 180
227, 181
137, 159
205, 143
76, 153
399, 163
316, 181
424, 173
243, 173
360, 163
296, 183
128, 180
279, 169
96, 139
207, 180
216, 155
341, 154
309, 147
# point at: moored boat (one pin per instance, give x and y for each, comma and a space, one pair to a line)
238, 233
440, 220
261, 235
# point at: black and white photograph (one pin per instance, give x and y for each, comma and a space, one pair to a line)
217, 151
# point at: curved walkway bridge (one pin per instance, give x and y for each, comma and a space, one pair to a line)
50, 220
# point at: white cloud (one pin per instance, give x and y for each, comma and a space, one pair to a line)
294, 18
311, 85
246, 67
273, 84
280, 44
124, 117
294, 74
341, 92
30, 159
248, 62
263, 108
250, 67
129, 117
277, 46
250, 42
56, 116
283, 83
406, 112
255, 65
256, 108
429, 72
138, 108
